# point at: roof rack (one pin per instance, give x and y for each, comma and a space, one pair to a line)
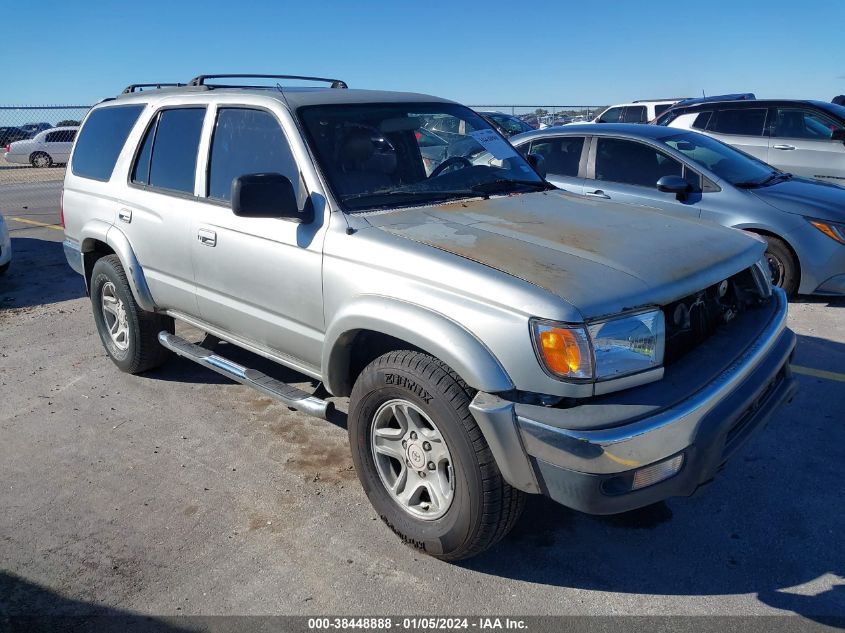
201, 80
653, 100
139, 87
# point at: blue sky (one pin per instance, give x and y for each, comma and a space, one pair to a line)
538, 52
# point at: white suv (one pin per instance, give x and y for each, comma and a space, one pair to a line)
641, 111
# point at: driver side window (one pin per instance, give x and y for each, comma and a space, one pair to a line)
633, 163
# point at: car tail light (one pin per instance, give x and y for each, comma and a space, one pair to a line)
8, 148
62, 207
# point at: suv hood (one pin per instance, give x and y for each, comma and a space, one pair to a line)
601, 257
803, 196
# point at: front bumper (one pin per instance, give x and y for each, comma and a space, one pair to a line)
704, 408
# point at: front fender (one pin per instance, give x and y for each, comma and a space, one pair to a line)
99, 231
421, 327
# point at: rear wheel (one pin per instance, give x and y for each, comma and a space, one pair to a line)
782, 264
40, 159
423, 461
129, 334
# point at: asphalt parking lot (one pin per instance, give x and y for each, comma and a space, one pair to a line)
178, 492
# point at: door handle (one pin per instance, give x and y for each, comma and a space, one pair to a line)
125, 215
598, 193
207, 237
783, 147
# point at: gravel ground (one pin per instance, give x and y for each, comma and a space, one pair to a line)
178, 492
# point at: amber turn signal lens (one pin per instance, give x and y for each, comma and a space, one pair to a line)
560, 350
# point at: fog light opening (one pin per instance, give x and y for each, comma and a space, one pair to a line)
656, 473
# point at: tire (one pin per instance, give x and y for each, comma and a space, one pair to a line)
40, 159
135, 348
782, 264
481, 509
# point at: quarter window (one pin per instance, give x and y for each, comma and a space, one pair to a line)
746, 121
168, 156
702, 120
562, 154
247, 142
101, 139
633, 163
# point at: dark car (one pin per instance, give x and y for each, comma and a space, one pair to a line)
11, 134
34, 128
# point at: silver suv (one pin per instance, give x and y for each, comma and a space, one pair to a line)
495, 336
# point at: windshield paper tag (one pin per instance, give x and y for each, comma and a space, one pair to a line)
494, 144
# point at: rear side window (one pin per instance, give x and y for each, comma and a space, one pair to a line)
562, 154
101, 140
634, 114
168, 155
247, 142
747, 121
62, 136
660, 108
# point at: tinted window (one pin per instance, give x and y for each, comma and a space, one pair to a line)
800, 123
611, 116
101, 140
702, 120
174, 158
633, 163
141, 170
62, 136
247, 142
661, 108
634, 114
748, 121
562, 154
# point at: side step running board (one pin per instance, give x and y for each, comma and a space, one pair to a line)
291, 396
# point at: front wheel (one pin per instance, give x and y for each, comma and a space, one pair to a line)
782, 265
423, 461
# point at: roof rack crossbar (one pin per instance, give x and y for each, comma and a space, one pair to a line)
138, 87
202, 79
653, 100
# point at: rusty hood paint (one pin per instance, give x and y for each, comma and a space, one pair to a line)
599, 256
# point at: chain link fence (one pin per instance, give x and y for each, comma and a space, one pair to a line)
35, 142
544, 115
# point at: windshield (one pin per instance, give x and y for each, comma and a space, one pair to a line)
723, 160
381, 155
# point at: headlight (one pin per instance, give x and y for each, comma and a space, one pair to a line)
833, 230
603, 349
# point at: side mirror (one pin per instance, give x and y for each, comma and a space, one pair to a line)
674, 184
538, 162
266, 196
838, 135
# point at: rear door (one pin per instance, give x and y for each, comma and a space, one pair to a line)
800, 143
58, 144
565, 160
625, 170
157, 212
744, 128
257, 278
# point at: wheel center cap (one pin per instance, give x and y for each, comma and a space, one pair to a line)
416, 456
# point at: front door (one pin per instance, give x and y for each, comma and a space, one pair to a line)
801, 143
258, 278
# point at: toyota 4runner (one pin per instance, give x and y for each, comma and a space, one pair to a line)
495, 336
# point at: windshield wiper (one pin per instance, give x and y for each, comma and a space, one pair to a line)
399, 193
771, 179
501, 184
